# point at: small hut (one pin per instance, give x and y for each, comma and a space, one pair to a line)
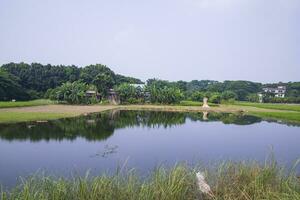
113, 97
93, 93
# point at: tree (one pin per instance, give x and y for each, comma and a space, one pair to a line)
10, 88
89, 73
252, 97
197, 96
215, 98
227, 95
104, 81
73, 93
164, 94
127, 93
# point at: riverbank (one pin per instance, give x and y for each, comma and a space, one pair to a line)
286, 113
244, 180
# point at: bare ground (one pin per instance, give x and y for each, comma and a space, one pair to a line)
83, 109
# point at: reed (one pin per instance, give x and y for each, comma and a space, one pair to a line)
228, 181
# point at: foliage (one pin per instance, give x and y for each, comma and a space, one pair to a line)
229, 180
104, 81
252, 97
42, 77
127, 93
227, 95
197, 96
10, 87
73, 93
215, 98
163, 92
119, 79
23, 81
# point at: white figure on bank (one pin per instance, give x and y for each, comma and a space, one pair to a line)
205, 104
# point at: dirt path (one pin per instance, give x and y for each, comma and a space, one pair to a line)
74, 109
77, 109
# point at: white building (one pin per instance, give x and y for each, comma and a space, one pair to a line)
278, 92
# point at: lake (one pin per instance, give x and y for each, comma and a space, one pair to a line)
141, 140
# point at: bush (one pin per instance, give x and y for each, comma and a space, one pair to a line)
165, 95
228, 95
215, 98
197, 96
128, 93
73, 93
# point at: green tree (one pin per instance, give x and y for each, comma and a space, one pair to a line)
10, 88
126, 92
226, 95
73, 93
197, 96
104, 81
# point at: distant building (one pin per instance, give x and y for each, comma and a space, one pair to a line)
279, 91
141, 86
92, 93
145, 94
113, 97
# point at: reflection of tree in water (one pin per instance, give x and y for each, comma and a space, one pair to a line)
226, 118
102, 125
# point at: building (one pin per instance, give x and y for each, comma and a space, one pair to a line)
279, 91
93, 93
113, 97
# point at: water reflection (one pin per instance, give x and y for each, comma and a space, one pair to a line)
102, 125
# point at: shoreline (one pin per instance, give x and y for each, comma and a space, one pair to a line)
57, 111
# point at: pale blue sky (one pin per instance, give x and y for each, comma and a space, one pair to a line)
256, 40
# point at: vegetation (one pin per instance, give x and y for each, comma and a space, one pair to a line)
23, 81
10, 87
38, 102
283, 116
9, 117
129, 94
290, 107
244, 180
72, 93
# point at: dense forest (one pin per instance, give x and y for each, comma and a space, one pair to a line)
21, 81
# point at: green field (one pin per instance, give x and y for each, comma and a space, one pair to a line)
10, 117
290, 107
228, 181
284, 116
194, 103
38, 102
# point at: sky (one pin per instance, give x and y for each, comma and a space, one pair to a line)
256, 40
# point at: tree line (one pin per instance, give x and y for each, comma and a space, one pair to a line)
22, 81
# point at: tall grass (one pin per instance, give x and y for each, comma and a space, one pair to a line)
229, 181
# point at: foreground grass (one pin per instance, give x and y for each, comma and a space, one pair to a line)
11, 117
38, 102
273, 106
228, 181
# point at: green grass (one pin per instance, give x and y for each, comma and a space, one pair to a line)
290, 107
194, 103
284, 116
38, 102
13, 117
228, 181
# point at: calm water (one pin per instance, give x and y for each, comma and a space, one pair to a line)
142, 140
